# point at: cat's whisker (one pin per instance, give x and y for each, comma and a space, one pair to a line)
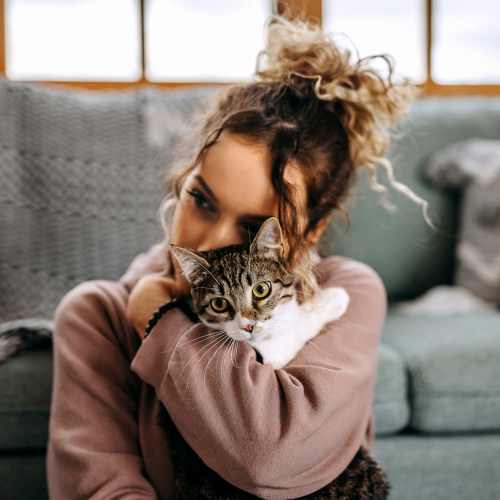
217, 341
207, 287
236, 346
219, 346
231, 344
209, 272
202, 337
230, 349
194, 341
223, 359
201, 357
249, 253
194, 358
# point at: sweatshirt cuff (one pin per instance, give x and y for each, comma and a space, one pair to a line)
151, 360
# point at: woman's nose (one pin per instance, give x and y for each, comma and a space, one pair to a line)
221, 235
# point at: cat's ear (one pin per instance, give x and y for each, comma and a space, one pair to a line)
268, 241
189, 261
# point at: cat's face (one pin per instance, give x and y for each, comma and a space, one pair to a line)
236, 288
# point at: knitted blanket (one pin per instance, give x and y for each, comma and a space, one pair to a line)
24, 335
81, 176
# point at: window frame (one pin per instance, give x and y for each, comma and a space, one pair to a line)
311, 8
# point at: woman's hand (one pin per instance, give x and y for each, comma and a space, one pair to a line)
150, 292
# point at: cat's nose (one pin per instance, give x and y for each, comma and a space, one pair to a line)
248, 328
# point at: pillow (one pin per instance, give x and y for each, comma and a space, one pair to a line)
473, 167
24, 335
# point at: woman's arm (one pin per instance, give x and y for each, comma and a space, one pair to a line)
93, 451
274, 433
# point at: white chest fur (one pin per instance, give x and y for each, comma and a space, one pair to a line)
292, 325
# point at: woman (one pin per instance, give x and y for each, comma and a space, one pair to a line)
287, 145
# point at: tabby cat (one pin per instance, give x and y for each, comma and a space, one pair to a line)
247, 292
250, 295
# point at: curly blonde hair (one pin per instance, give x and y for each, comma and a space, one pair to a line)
314, 108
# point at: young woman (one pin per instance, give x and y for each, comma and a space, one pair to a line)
288, 145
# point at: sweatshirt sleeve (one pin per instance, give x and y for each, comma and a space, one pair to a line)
279, 433
93, 448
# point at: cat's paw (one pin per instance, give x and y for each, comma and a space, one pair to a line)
332, 302
270, 353
275, 360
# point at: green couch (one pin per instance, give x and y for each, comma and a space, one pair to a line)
72, 210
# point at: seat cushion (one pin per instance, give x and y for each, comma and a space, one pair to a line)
454, 369
25, 392
26, 384
391, 408
458, 467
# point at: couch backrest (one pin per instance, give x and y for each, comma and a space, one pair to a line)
410, 256
82, 180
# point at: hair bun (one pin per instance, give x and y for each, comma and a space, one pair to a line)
366, 105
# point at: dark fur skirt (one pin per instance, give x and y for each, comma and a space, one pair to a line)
363, 479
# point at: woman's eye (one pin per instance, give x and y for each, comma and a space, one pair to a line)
218, 304
261, 290
200, 200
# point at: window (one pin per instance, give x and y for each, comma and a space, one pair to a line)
446, 46
189, 40
466, 45
396, 27
72, 40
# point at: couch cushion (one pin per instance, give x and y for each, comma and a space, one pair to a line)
458, 467
391, 408
25, 393
454, 369
26, 384
23, 475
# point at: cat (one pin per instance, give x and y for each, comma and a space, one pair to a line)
247, 292
250, 295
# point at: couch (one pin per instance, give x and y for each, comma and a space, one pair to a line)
80, 187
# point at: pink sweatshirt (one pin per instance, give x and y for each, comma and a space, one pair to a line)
277, 434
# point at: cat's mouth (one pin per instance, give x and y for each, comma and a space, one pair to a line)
251, 332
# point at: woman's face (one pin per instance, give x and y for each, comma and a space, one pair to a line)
229, 192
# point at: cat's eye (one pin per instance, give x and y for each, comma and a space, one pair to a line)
261, 290
218, 304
